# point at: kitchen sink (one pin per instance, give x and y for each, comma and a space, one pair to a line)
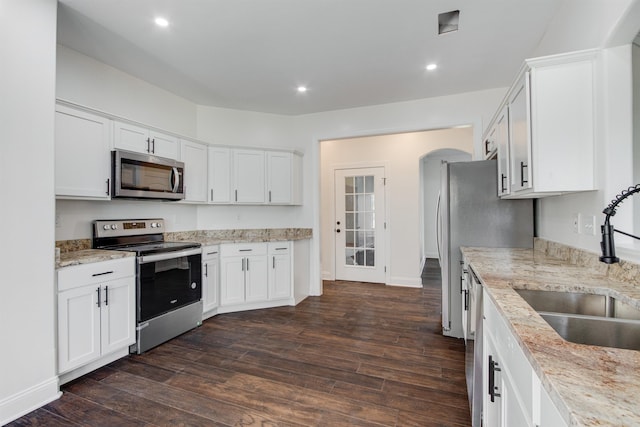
593, 330
579, 303
587, 318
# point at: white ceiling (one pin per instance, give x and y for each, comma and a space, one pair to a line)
252, 54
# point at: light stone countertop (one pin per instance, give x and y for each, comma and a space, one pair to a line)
88, 256
590, 385
76, 252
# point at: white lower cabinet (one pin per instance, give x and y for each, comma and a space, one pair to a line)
96, 312
255, 275
280, 283
210, 280
512, 393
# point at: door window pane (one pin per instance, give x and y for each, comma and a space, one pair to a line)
360, 221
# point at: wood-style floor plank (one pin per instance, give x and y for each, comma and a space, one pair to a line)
362, 354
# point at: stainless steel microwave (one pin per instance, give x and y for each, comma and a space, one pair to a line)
145, 176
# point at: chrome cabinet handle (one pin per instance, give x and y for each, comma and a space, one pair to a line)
98, 302
153, 145
106, 295
108, 186
269, 196
206, 270
148, 145
212, 194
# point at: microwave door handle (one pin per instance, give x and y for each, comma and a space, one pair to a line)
175, 178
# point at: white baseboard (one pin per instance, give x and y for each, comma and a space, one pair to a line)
13, 407
410, 282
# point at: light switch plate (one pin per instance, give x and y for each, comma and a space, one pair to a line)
589, 225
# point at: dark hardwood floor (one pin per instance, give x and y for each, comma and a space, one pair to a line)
360, 355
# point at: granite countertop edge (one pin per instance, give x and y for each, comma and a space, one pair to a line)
78, 252
590, 385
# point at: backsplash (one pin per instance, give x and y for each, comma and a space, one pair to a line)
624, 271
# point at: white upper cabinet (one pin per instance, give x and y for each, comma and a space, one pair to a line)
82, 154
544, 130
552, 120
144, 140
519, 136
283, 178
194, 156
249, 176
501, 138
219, 175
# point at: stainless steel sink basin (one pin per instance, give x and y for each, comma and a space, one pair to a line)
587, 318
592, 330
579, 303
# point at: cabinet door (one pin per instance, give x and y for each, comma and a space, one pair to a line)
118, 314
219, 175
210, 282
132, 138
163, 145
279, 175
78, 327
502, 143
82, 154
491, 410
194, 156
256, 278
231, 280
249, 176
520, 136
279, 271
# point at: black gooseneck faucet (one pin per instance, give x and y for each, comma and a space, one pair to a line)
606, 244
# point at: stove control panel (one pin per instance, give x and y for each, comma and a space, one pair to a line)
119, 228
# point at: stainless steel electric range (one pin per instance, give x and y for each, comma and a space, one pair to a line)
168, 278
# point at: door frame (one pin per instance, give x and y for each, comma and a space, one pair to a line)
362, 165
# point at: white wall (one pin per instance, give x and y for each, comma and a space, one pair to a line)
430, 166
27, 89
594, 24
85, 81
401, 154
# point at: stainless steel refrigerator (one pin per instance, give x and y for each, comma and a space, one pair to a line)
471, 214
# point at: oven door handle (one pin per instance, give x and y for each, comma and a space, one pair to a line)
168, 255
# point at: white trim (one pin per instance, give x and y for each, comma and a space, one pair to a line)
92, 366
409, 282
19, 404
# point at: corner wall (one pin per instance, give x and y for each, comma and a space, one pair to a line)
27, 322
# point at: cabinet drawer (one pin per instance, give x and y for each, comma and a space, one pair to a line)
99, 272
243, 249
276, 248
209, 252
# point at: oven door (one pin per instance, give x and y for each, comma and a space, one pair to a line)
168, 281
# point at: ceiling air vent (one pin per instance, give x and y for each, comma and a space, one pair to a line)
448, 21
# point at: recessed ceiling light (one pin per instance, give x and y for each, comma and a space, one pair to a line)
161, 22
431, 67
302, 89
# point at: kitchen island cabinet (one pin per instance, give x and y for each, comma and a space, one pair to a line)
96, 315
569, 384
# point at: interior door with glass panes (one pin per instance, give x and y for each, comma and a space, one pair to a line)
360, 224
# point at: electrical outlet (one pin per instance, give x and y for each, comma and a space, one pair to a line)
589, 225
576, 223
57, 220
